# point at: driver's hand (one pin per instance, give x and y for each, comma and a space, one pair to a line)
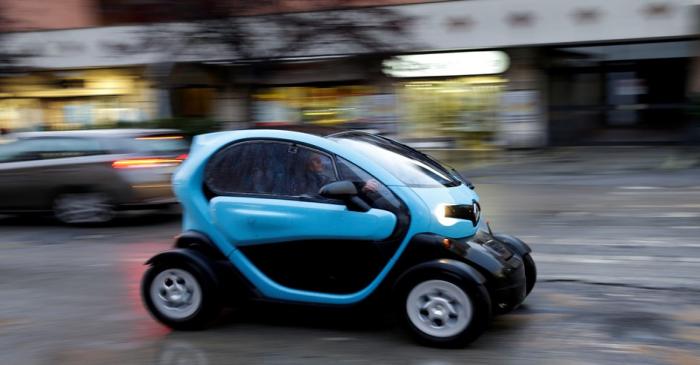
371, 186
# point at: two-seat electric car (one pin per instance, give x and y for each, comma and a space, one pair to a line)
337, 219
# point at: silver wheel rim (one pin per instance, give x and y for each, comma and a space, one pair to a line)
83, 208
176, 294
439, 308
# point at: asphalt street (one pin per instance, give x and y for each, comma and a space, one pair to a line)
616, 245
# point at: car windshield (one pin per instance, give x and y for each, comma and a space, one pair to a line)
413, 168
161, 145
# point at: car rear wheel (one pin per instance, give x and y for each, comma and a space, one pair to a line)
179, 296
445, 311
77, 208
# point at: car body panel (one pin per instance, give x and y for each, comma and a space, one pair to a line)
250, 221
47, 178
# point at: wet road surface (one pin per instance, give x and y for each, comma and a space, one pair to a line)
619, 264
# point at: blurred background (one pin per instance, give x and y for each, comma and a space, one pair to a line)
465, 74
578, 120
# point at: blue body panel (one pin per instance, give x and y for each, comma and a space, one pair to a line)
249, 221
220, 220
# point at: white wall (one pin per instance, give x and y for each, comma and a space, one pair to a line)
489, 22
480, 24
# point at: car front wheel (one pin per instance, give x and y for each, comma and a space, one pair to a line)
445, 311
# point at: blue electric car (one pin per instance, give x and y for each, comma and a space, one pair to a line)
319, 217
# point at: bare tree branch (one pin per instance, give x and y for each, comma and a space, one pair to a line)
261, 31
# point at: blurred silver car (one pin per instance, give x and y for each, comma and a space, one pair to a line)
87, 176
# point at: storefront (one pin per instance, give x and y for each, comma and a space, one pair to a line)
60, 100
461, 111
622, 93
341, 92
349, 106
447, 98
450, 99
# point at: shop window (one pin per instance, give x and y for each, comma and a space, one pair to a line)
70, 84
193, 102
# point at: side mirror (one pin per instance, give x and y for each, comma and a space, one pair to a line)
338, 189
344, 190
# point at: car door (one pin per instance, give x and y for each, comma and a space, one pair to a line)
265, 201
21, 170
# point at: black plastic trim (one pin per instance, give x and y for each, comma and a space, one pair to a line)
197, 248
514, 243
199, 242
199, 259
455, 267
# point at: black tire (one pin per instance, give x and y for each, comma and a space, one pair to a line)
530, 273
83, 207
205, 312
480, 306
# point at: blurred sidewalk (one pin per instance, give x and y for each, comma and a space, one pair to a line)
654, 165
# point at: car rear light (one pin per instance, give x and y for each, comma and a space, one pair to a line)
136, 163
182, 157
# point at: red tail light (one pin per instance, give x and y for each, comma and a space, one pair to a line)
137, 163
182, 157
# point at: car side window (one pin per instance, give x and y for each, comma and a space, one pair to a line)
312, 169
249, 168
269, 168
51, 148
371, 190
13, 151
48, 148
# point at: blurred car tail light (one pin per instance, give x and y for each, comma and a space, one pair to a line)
135, 163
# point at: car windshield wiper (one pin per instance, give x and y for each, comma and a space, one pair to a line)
466, 181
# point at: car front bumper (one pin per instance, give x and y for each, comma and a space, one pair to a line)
508, 290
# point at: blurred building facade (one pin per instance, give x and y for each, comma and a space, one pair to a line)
491, 73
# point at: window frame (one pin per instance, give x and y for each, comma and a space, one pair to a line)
211, 193
404, 151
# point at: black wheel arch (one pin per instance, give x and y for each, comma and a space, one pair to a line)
197, 249
187, 256
200, 242
514, 243
459, 269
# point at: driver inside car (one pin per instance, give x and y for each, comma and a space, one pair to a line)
317, 172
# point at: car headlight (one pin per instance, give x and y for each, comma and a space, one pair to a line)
442, 217
449, 214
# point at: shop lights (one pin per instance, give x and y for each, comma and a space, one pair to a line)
447, 64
